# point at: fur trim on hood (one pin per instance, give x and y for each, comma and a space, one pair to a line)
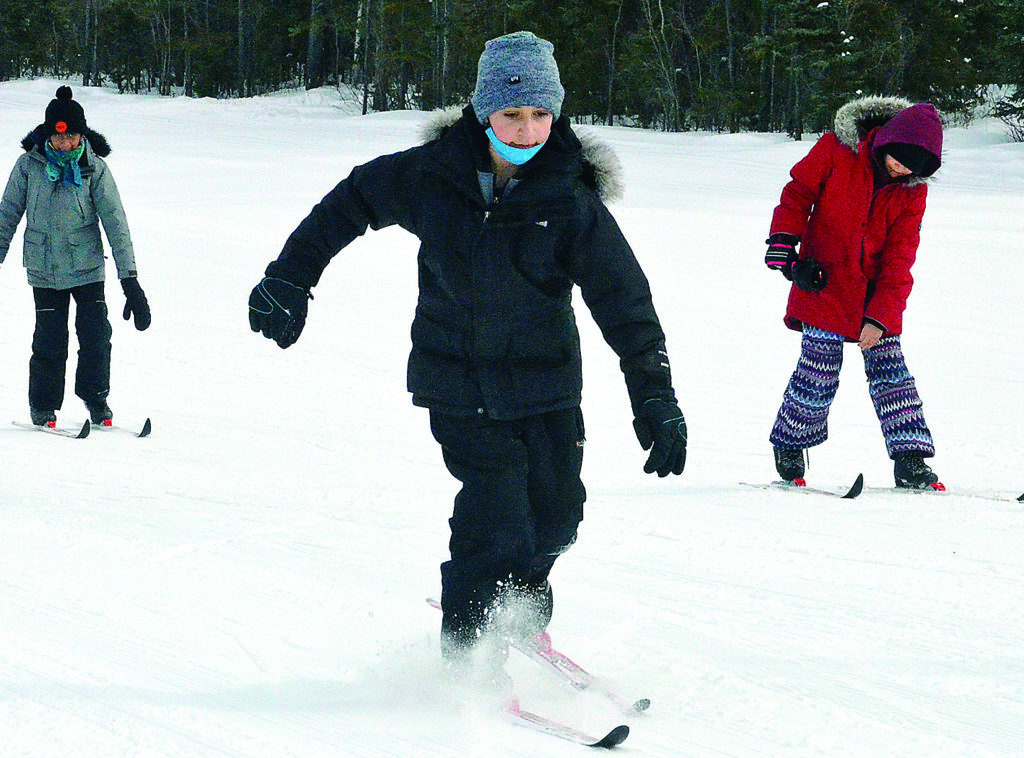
602, 170
35, 140
855, 120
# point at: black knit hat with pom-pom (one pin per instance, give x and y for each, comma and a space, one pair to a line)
64, 115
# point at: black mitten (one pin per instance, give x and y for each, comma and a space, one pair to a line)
661, 428
278, 309
136, 303
809, 275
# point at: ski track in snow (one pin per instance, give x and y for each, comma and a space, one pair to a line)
249, 580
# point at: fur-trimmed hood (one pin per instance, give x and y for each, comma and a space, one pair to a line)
35, 140
602, 171
890, 120
855, 120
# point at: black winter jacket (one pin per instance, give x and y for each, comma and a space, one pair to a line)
494, 331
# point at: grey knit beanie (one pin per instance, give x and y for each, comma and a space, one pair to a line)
514, 70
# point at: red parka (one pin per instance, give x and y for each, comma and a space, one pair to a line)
865, 239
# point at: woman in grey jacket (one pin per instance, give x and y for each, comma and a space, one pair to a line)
64, 188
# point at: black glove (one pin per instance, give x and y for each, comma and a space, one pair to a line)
805, 274
278, 309
136, 303
809, 275
781, 253
660, 424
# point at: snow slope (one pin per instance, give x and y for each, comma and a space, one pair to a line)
249, 581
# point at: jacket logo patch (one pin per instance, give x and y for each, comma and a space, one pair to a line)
515, 79
543, 223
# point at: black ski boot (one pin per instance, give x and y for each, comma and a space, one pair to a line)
789, 463
100, 413
911, 472
42, 418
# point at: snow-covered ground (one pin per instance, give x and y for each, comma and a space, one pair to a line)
249, 581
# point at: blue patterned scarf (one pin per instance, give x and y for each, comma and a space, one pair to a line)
64, 165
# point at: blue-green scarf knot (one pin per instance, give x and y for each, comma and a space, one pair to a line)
64, 165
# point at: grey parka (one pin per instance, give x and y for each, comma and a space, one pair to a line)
63, 247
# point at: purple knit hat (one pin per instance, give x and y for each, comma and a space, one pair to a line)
914, 138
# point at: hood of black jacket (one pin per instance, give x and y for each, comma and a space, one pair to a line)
566, 151
36, 139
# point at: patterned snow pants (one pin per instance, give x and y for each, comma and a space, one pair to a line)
803, 418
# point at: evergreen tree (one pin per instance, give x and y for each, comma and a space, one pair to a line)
675, 64
1010, 64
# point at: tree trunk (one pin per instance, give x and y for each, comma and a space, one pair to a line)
363, 50
666, 68
730, 45
797, 126
243, 52
88, 60
316, 50
441, 59
610, 103
380, 71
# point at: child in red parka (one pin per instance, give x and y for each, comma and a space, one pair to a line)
854, 206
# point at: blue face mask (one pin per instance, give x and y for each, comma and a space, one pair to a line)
515, 155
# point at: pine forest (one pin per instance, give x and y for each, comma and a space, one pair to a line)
676, 65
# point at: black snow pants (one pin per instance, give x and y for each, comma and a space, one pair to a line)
520, 505
46, 368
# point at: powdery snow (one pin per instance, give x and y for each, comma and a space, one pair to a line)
250, 580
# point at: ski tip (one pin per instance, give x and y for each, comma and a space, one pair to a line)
615, 737
856, 489
84, 431
641, 705
1021, 498
147, 427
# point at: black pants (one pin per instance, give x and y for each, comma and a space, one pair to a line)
519, 508
46, 368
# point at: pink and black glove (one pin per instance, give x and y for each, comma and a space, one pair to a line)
807, 274
781, 253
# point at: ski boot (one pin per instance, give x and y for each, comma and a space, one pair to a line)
789, 464
43, 418
100, 413
911, 472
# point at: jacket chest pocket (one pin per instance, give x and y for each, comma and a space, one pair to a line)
83, 202
533, 253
